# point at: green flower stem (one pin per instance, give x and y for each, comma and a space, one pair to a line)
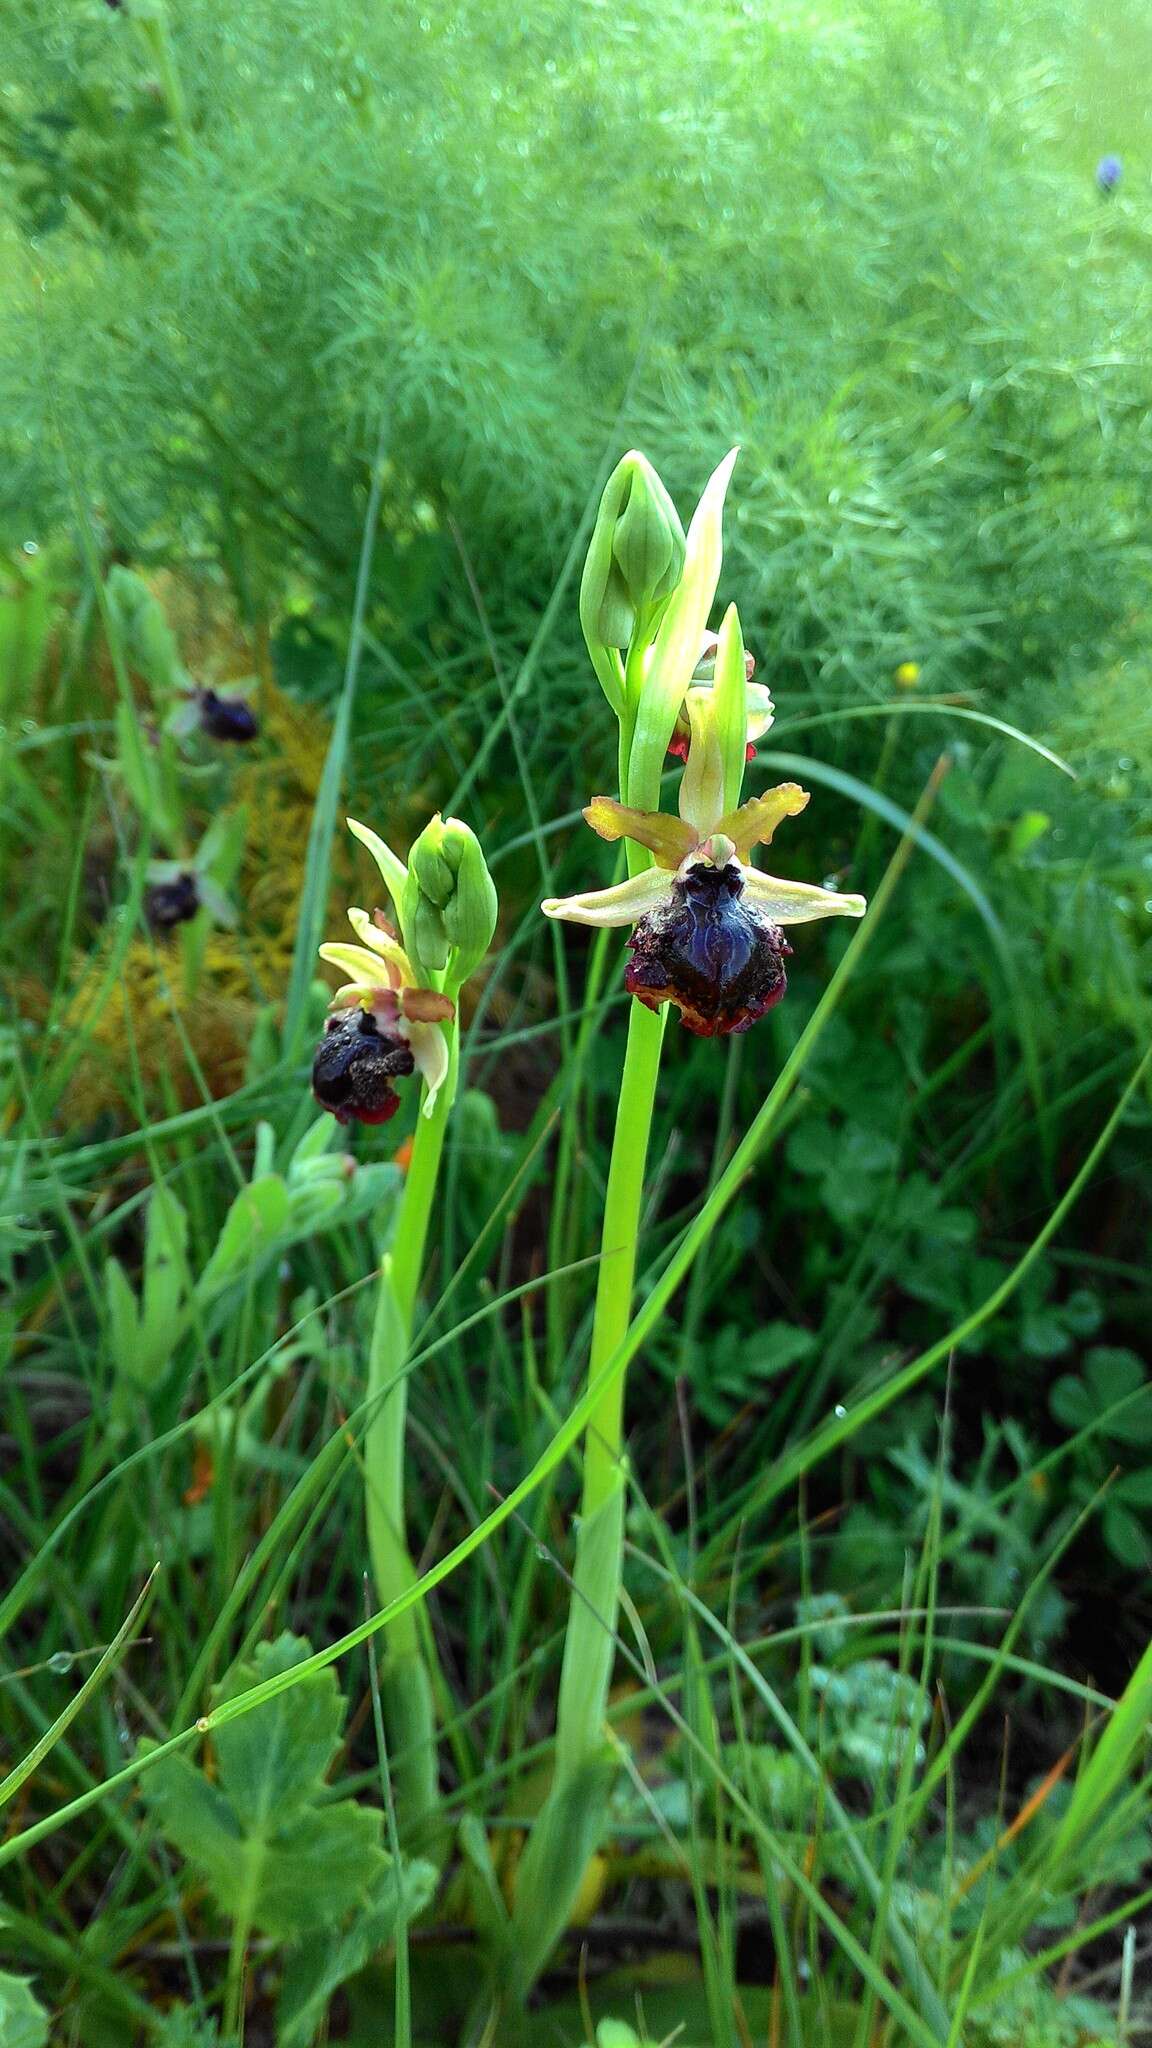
570, 1825
618, 1245
406, 1690
588, 1644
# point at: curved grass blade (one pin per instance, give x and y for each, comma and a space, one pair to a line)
21, 1772
931, 708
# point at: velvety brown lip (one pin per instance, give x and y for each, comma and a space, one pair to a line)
355, 1066
711, 952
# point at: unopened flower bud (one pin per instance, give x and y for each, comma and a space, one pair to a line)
450, 899
635, 558
148, 641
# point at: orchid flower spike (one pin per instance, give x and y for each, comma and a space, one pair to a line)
708, 932
381, 1027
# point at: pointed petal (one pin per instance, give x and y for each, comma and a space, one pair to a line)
220, 909
755, 822
184, 719
702, 783
760, 708
430, 1052
365, 968
730, 692
668, 838
388, 949
622, 905
393, 872
426, 1006
798, 902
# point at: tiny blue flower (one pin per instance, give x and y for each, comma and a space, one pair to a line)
1109, 172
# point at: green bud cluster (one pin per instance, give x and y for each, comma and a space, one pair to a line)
635, 558
449, 906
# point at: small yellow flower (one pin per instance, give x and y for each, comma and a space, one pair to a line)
907, 675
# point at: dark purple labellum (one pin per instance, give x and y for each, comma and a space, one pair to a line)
167, 904
711, 952
355, 1066
227, 718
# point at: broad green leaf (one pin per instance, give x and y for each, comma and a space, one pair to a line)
257, 1219
166, 1282
319, 1963
1071, 1403
274, 1760
318, 1869
274, 1850
314, 1206
1135, 1488
123, 1319
221, 850
315, 1144
23, 2020
1111, 1373
141, 774
1126, 1536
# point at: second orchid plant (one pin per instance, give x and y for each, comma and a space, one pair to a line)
397, 1016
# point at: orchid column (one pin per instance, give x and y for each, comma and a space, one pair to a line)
707, 939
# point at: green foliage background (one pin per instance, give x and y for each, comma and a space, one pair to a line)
246, 251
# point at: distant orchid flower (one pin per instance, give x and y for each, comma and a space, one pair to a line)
228, 716
1109, 172
172, 896
223, 714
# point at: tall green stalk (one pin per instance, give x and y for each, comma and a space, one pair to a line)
570, 1825
588, 1645
406, 1690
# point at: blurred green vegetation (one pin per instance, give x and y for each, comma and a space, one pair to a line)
250, 259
